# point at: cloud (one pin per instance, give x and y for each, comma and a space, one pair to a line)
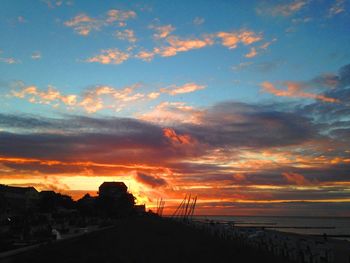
285, 9
114, 15
294, 90
227, 124
51, 95
162, 31
337, 8
36, 55
21, 19
102, 97
260, 67
296, 178
91, 100
241, 66
331, 115
252, 53
231, 154
177, 45
267, 44
57, 3
247, 125
330, 87
145, 55
171, 45
8, 60
150, 180
99, 97
153, 95
172, 113
198, 21
109, 56
83, 24
126, 34
186, 88
178, 139
232, 39
99, 144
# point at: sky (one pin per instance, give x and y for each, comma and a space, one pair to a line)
244, 104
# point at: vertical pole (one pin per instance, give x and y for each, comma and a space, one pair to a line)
194, 206
188, 202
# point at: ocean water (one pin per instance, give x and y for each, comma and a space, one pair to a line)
299, 225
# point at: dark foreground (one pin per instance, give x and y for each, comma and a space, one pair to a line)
143, 240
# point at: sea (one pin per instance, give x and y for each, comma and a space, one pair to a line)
331, 226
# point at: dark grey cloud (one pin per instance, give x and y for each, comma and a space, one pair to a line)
238, 124
23, 121
332, 116
229, 124
150, 180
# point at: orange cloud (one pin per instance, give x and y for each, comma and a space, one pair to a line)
153, 95
239, 177
176, 139
186, 88
83, 24
145, 55
267, 44
34, 95
126, 34
162, 31
171, 113
108, 97
92, 100
119, 15
252, 53
296, 178
109, 56
176, 45
182, 45
294, 90
232, 39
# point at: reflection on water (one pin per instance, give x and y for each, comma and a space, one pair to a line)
300, 225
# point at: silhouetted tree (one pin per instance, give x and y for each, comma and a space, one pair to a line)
50, 201
87, 205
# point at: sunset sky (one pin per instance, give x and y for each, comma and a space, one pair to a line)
245, 104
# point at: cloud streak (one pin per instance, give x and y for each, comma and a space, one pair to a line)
186, 88
285, 9
294, 90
